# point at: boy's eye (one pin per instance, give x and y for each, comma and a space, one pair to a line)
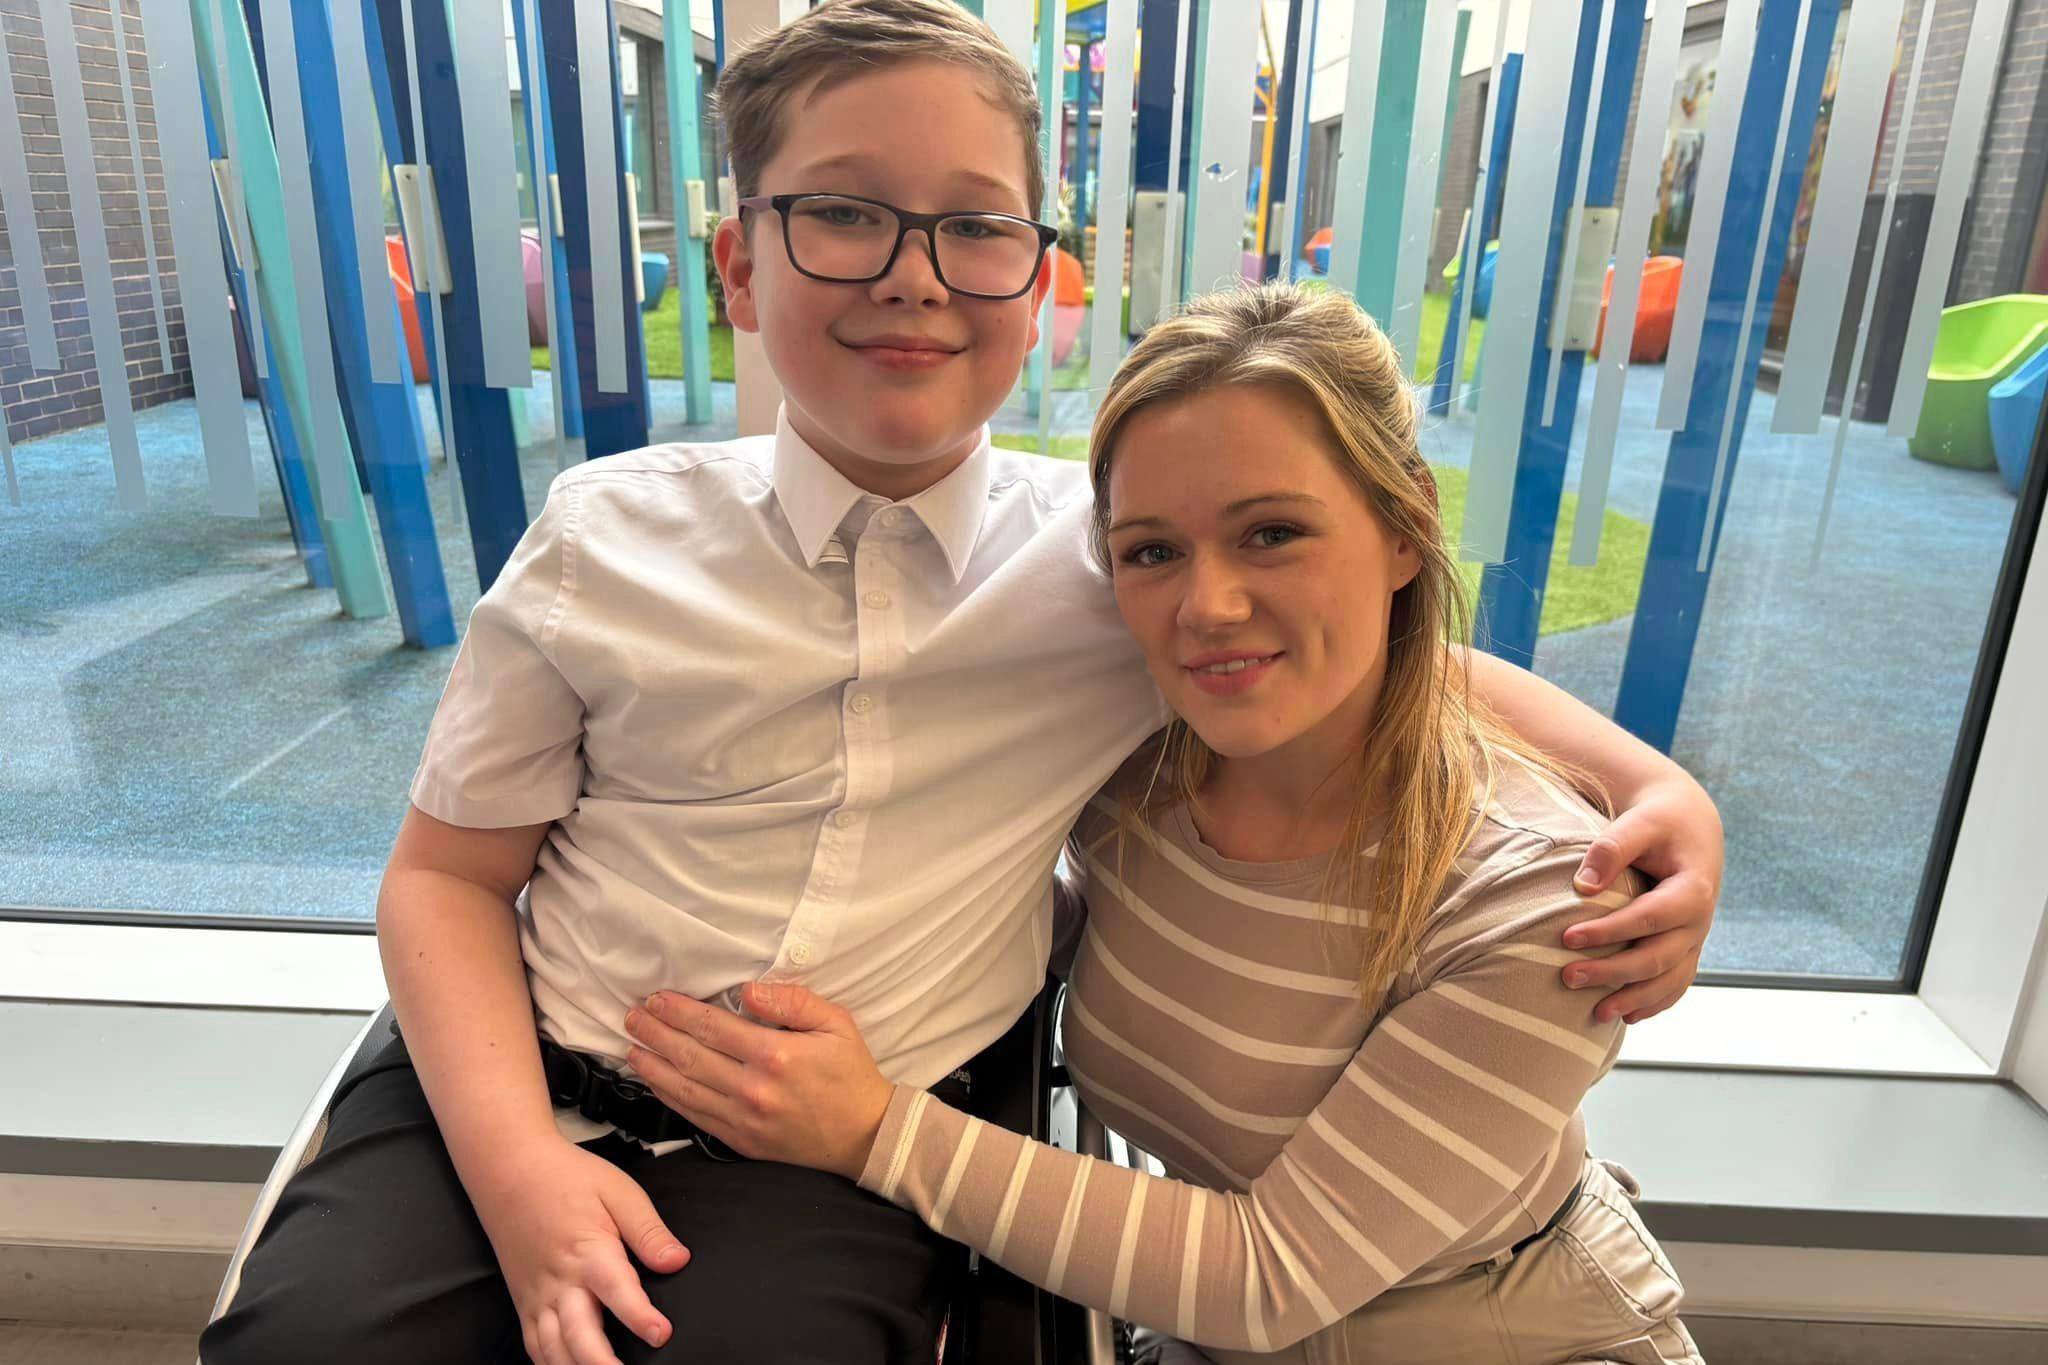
969, 228
1148, 556
1273, 537
839, 214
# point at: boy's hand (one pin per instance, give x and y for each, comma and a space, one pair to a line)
806, 1092
1672, 834
560, 1220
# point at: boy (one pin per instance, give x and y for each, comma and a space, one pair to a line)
814, 707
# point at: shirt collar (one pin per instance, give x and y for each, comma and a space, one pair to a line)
815, 498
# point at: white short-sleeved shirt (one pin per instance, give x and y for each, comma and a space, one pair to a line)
788, 730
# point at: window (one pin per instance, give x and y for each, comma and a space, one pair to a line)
216, 716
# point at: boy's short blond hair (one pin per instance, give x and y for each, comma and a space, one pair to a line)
845, 38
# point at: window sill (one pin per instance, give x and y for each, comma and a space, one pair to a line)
1871, 1198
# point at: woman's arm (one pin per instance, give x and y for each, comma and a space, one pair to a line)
1464, 1089
1665, 826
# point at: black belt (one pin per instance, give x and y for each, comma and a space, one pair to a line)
1562, 1209
581, 1082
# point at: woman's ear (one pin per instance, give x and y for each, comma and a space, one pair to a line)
1407, 563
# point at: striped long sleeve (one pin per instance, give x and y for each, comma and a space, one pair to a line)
1305, 1178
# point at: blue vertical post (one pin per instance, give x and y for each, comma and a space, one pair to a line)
1300, 190
1472, 253
1295, 49
1082, 99
1511, 592
383, 418
1160, 25
1667, 620
611, 421
561, 357
686, 158
394, 122
480, 418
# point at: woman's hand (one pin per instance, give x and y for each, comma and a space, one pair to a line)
1673, 834
560, 1220
807, 1092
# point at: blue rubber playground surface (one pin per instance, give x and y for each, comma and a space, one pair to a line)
188, 726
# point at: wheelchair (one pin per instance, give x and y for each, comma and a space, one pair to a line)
995, 1319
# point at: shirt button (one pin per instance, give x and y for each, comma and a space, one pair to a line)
862, 704
877, 599
846, 819
800, 953
891, 517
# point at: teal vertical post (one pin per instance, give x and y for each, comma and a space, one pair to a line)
1393, 125
1196, 85
686, 159
338, 502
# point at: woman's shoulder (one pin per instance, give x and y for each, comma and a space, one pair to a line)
1525, 810
1529, 832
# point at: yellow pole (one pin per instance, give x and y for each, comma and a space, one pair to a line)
1270, 98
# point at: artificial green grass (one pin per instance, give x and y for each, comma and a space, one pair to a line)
1429, 344
1063, 447
1573, 597
663, 330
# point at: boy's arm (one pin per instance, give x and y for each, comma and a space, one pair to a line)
1665, 825
449, 940
558, 1218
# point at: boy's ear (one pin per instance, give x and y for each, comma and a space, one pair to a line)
1040, 287
734, 257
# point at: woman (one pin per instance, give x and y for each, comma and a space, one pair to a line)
1318, 977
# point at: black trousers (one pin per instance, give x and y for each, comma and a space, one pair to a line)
374, 1254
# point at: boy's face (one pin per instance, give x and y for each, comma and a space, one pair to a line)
892, 380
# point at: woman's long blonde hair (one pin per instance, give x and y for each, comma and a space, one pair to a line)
1431, 752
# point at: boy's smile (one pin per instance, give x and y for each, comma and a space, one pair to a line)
890, 381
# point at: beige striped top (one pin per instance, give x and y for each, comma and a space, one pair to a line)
1319, 1148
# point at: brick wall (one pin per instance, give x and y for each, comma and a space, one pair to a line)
1460, 173
36, 402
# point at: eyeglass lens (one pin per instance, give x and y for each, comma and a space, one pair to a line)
847, 239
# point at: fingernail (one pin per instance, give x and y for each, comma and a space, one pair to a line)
1575, 979
633, 1020
654, 1003
1575, 938
1586, 879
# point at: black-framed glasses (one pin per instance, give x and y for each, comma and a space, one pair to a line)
845, 239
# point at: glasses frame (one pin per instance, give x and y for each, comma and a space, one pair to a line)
906, 223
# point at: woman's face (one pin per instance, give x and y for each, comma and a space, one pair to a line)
1253, 573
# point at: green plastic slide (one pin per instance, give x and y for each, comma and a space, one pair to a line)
1978, 344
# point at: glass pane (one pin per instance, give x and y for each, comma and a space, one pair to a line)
206, 713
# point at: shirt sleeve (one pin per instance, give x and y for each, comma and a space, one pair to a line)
1459, 1093
505, 746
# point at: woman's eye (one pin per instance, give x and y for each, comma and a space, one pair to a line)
1273, 537
1148, 556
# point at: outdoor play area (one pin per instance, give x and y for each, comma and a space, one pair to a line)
1736, 417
